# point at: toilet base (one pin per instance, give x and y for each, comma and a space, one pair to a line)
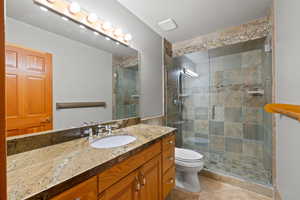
188, 181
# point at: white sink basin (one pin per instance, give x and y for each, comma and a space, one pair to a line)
112, 141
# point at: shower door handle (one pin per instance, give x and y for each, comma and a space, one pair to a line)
213, 112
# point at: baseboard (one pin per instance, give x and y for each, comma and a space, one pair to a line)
257, 188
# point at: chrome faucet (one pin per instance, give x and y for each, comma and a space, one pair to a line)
108, 128
88, 131
100, 129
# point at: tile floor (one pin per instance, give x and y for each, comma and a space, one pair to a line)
215, 190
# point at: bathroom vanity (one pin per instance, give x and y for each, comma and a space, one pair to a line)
143, 169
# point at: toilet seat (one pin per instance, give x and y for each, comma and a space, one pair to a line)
188, 158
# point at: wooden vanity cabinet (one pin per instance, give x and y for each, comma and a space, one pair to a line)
147, 175
142, 184
84, 191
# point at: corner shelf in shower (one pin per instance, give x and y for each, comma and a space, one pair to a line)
292, 111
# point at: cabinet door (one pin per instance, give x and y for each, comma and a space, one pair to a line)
84, 191
126, 189
150, 179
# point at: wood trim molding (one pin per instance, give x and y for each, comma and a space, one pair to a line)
3, 189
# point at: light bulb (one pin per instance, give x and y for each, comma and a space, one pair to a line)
64, 18
43, 8
107, 26
118, 32
128, 37
51, 1
92, 18
74, 8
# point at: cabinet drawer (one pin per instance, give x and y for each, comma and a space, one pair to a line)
168, 181
168, 142
84, 191
168, 157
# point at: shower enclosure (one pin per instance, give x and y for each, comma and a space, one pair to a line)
219, 111
126, 92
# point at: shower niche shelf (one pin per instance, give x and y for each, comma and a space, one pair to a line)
292, 111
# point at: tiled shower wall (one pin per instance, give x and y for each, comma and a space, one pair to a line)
221, 120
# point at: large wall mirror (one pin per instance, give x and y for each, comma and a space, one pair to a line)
60, 75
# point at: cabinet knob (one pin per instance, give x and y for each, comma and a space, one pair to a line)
171, 142
78, 198
171, 158
171, 181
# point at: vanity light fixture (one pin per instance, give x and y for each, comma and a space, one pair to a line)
128, 37
118, 32
92, 18
107, 26
43, 8
74, 8
64, 18
71, 11
51, 1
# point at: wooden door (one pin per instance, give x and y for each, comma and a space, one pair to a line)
3, 192
150, 179
28, 91
126, 189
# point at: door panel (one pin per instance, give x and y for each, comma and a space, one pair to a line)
35, 95
126, 189
35, 63
150, 179
28, 91
11, 59
12, 96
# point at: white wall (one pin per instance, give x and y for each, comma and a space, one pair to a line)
288, 84
80, 72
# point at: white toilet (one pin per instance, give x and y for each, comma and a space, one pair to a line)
188, 164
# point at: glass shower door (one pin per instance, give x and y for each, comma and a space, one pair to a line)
220, 113
237, 131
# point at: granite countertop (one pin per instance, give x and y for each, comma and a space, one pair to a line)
36, 171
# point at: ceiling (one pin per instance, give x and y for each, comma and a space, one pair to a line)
196, 17
28, 12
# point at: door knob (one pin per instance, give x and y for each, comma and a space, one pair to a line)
47, 120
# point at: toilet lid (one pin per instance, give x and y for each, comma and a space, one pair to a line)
187, 155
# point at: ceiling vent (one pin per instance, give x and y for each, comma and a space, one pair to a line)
167, 25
